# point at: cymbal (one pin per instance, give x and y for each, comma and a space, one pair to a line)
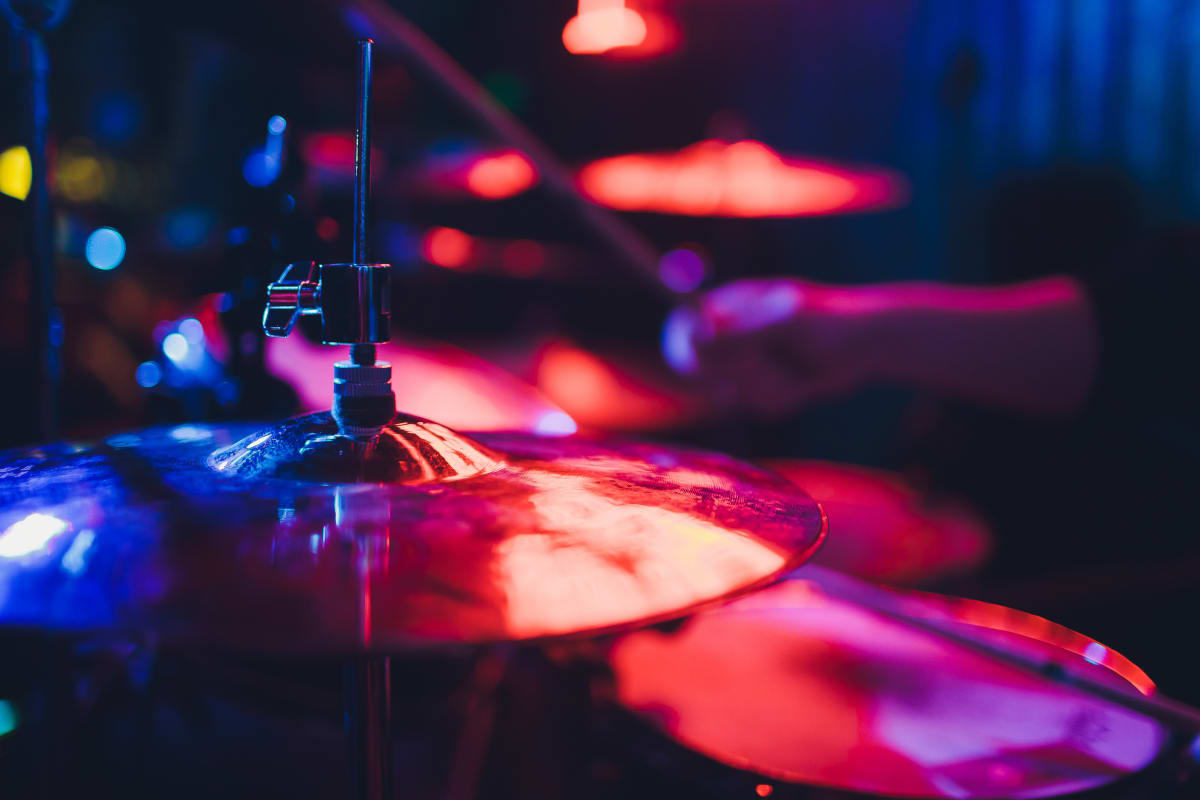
264, 539
797, 685
889, 531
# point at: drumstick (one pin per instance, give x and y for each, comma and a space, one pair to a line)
393, 31
1172, 713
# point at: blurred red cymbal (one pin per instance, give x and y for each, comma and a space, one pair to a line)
885, 530
799, 686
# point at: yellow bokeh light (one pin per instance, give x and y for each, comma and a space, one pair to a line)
16, 172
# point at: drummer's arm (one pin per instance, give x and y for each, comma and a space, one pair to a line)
777, 343
1031, 347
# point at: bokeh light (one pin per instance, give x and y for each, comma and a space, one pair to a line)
175, 347
148, 374
16, 172
447, 247
498, 176
9, 719
260, 169
681, 270
105, 248
603, 25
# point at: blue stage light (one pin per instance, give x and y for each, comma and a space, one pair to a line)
105, 248
148, 374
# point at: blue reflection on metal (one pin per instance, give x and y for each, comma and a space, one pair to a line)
1095, 653
105, 248
74, 560
555, 423
31, 534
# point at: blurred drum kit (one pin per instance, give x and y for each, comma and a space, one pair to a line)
715, 662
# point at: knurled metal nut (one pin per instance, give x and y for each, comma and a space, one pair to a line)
348, 389
356, 373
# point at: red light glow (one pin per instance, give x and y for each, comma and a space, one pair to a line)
523, 258
600, 393
328, 229
435, 381
763, 790
603, 25
738, 179
333, 152
448, 247
498, 176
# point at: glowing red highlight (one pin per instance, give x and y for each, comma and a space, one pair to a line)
436, 381
328, 229
600, 393
738, 179
523, 258
448, 247
498, 176
333, 152
603, 25
764, 790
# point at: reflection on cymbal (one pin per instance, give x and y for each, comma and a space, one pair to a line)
221, 536
887, 530
799, 686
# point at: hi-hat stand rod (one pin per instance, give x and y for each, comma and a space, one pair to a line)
368, 708
397, 33
362, 353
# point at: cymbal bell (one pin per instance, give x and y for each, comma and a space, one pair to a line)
291, 539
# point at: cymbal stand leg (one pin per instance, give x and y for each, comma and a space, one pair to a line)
368, 717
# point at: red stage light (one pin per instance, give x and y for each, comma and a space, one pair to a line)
764, 790
603, 25
499, 176
333, 152
738, 179
448, 247
328, 229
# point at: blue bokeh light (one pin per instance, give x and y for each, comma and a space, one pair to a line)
148, 374
175, 347
276, 125
105, 248
238, 235
260, 168
188, 228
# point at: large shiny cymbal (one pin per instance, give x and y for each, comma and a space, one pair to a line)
796, 684
290, 539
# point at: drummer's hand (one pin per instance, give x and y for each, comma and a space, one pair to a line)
772, 344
